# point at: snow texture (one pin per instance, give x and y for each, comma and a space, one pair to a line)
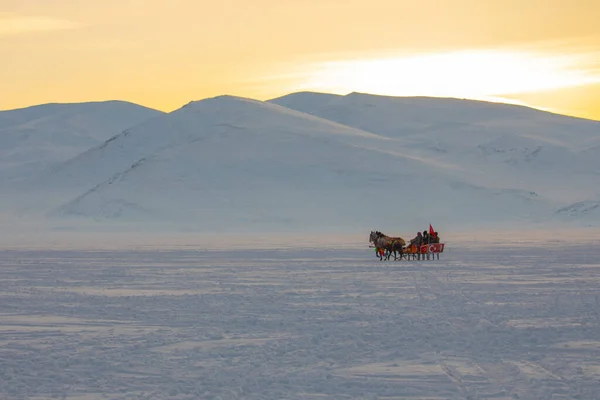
489, 144
501, 322
320, 162
35, 138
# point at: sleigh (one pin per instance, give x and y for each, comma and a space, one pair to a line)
387, 246
426, 250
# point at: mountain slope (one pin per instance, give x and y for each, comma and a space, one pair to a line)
230, 163
404, 116
34, 138
488, 144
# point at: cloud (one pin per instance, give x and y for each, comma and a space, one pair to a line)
476, 73
15, 24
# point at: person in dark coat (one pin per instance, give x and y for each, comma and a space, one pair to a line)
417, 240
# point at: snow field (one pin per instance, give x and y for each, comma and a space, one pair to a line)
481, 323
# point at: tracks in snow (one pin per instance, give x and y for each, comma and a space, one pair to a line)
462, 343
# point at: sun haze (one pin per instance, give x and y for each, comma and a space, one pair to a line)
542, 53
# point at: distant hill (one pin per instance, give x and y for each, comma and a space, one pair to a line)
33, 139
230, 163
488, 144
320, 162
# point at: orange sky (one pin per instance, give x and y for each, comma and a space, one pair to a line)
163, 54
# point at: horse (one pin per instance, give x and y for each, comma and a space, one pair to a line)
390, 244
379, 245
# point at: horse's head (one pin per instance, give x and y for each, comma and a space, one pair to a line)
373, 237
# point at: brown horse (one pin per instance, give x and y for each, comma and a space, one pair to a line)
389, 244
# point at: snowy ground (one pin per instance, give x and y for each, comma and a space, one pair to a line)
481, 323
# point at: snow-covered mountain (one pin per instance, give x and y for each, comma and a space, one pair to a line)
315, 162
488, 144
33, 139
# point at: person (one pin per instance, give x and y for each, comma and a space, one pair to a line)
426, 238
379, 252
417, 242
437, 237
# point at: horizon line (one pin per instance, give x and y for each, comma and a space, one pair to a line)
490, 100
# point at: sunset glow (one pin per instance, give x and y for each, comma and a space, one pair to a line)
544, 53
467, 74
11, 24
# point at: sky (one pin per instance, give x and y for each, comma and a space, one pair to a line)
163, 54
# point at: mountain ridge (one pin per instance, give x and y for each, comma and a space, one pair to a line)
240, 163
32, 139
332, 96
